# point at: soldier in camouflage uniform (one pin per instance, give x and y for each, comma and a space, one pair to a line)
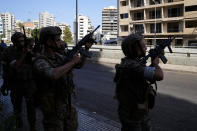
18, 78
133, 85
54, 83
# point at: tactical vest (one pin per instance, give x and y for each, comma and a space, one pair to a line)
128, 87
62, 87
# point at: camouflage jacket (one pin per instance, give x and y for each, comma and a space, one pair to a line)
43, 68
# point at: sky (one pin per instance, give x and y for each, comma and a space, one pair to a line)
63, 10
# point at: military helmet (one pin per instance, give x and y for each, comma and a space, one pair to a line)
16, 35
129, 45
49, 31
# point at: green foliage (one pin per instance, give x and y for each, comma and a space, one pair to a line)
67, 35
20, 25
2, 36
34, 33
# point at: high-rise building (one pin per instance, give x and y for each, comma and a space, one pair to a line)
46, 19
36, 24
1, 26
161, 17
109, 22
84, 26
62, 27
8, 24
18, 25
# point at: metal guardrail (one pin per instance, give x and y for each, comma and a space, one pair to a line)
188, 54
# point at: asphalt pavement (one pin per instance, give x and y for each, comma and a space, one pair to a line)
176, 104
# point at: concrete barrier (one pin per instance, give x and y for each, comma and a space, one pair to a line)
113, 54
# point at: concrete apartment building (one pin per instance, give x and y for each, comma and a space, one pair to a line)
36, 24
173, 18
8, 24
62, 26
46, 19
109, 22
84, 26
1, 26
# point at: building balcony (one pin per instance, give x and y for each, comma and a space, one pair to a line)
164, 34
190, 31
173, 18
189, 15
157, 5
124, 9
124, 33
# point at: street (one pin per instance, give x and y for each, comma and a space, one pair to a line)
176, 104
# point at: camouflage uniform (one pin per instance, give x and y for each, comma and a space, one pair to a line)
55, 95
21, 84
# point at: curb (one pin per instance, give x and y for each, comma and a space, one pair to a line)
170, 67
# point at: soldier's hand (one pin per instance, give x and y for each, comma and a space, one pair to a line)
88, 45
155, 62
76, 59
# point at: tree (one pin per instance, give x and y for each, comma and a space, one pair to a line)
67, 35
34, 33
2, 36
20, 26
28, 32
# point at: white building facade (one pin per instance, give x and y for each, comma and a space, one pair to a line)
1, 26
84, 26
110, 22
8, 24
36, 23
62, 27
46, 19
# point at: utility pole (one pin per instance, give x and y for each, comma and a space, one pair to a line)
155, 22
76, 35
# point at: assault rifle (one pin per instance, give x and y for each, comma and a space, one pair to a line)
78, 47
157, 51
25, 38
37, 46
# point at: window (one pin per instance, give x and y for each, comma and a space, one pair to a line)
191, 8
151, 2
178, 42
152, 14
123, 3
173, 27
170, 1
175, 12
138, 16
139, 28
191, 24
124, 16
138, 3
124, 28
158, 28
